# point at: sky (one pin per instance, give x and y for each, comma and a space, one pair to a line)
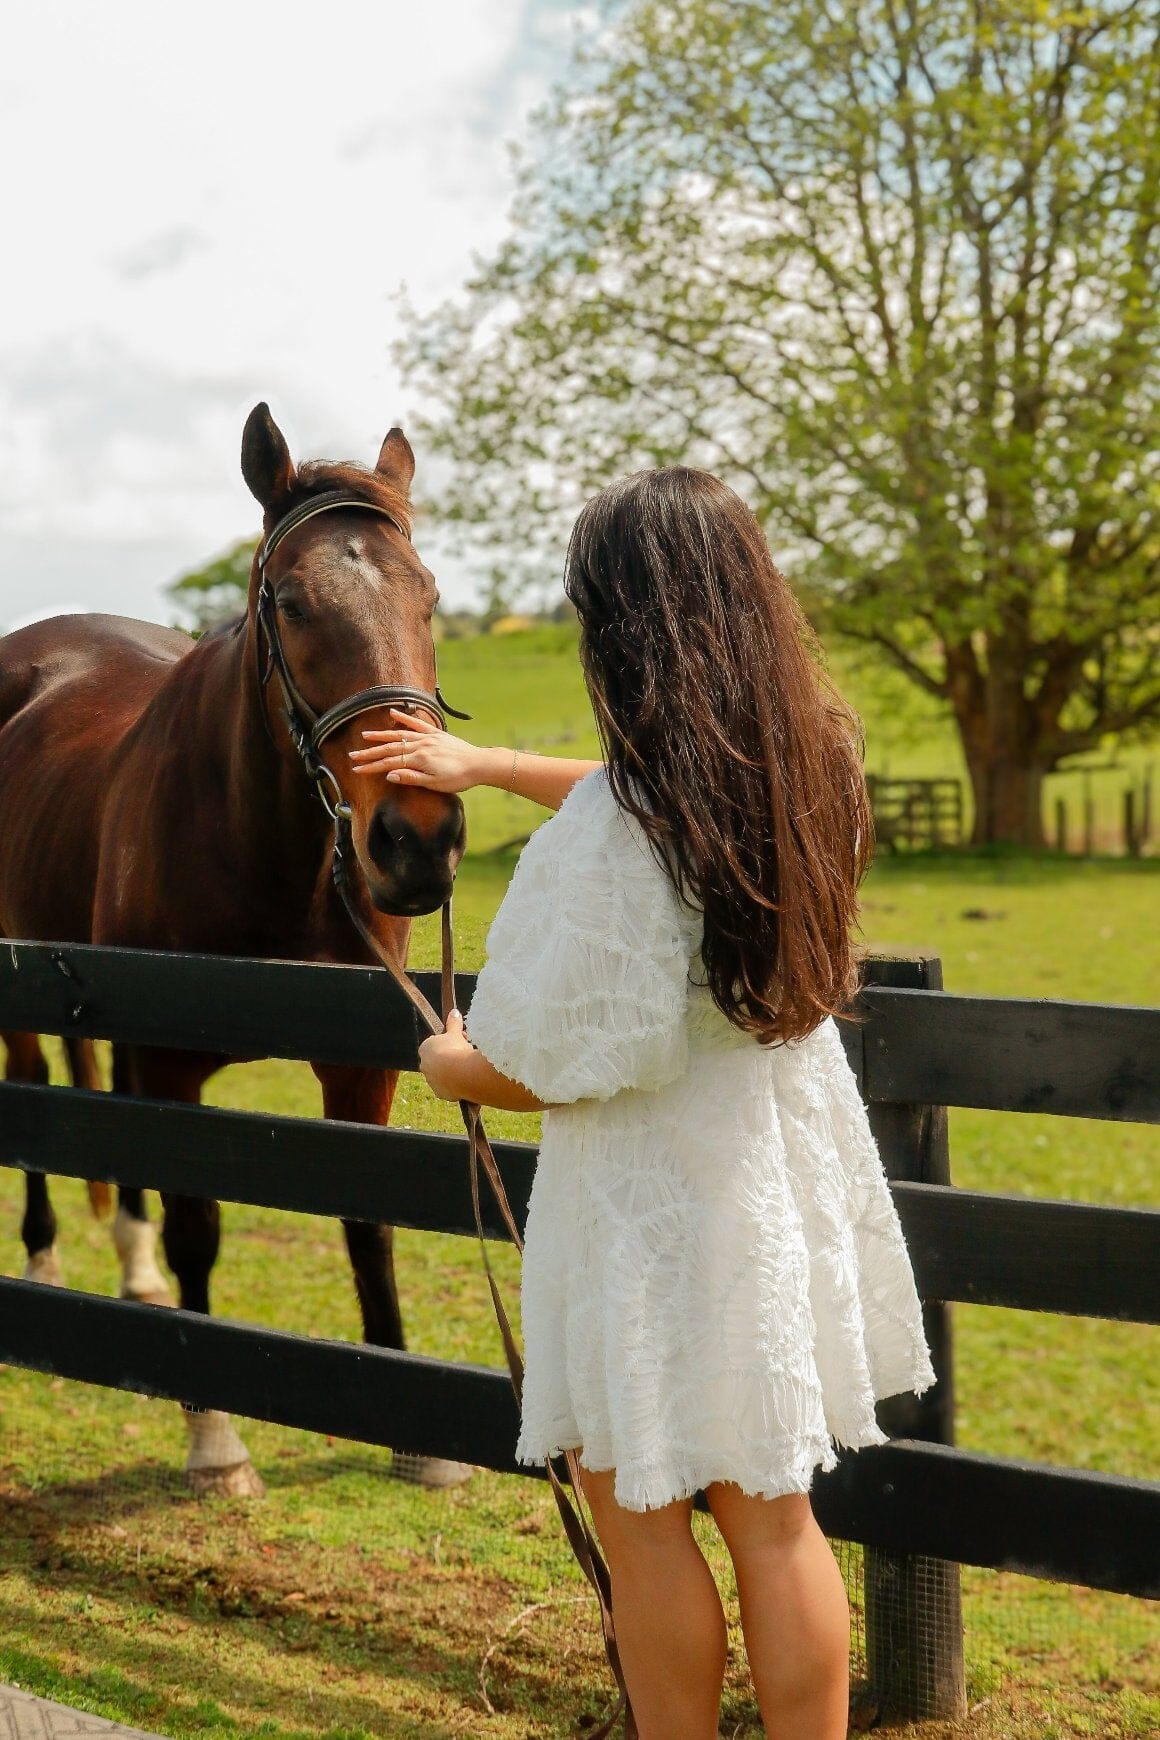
212, 205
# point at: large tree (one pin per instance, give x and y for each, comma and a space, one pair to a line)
892, 267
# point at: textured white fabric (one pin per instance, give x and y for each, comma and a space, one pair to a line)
715, 1282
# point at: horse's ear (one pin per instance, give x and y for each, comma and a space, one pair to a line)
396, 460
266, 463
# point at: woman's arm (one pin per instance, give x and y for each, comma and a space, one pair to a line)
454, 1070
414, 751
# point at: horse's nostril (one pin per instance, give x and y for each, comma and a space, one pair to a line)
386, 834
409, 855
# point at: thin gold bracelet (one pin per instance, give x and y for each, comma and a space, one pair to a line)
512, 775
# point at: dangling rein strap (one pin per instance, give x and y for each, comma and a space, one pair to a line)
567, 1491
308, 732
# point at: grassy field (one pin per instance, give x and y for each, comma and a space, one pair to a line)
345, 1603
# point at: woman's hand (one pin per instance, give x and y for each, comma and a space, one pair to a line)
443, 1057
416, 752
454, 1070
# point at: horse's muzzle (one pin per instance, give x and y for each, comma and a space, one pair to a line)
412, 851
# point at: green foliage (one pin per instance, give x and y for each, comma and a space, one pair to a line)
209, 595
893, 271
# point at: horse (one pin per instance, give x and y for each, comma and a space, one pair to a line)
155, 795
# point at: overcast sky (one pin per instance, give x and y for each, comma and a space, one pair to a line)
208, 206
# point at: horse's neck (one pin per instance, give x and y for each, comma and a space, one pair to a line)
280, 835
271, 808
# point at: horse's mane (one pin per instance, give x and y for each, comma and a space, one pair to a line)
316, 476
228, 625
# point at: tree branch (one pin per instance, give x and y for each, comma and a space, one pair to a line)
902, 659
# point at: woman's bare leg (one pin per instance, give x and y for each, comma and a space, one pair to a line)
794, 1612
669, 1621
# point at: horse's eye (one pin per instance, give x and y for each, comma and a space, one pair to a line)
289, 611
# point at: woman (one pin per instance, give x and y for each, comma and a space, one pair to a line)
715, 1287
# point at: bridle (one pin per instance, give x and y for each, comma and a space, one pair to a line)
308, 732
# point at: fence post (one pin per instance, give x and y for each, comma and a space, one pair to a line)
1060, 825
914, 1615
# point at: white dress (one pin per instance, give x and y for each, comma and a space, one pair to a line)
715, 1282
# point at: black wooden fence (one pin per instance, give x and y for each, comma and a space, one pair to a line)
918, 1503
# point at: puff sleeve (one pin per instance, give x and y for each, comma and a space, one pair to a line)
584, 992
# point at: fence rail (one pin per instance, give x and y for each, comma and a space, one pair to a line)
1035, 1254
904, 1497
915, 1050
916, 1044
1078, 1060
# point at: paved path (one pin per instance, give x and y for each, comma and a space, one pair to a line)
23, 1717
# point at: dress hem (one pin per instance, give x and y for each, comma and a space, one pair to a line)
651, 1489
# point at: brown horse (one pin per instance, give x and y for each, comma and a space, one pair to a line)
152, 798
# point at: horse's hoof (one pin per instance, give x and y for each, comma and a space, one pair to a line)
218, 1461
135, 1243
42, 1266
240, 1481
160, 1296
434, 1472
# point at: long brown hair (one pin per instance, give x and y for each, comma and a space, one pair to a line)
724, 737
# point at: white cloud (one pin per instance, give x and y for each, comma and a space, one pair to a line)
214, 207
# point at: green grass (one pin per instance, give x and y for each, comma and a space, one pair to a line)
347, 1604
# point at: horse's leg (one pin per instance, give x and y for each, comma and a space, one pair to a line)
371, 1250
135, 1242
217, 1461
83, 1073
364, 1096
134, 1238
26, 1062
38, 1230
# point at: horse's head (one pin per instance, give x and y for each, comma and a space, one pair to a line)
340, 604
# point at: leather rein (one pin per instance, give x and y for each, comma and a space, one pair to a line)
308, 731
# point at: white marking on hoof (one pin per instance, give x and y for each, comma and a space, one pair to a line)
135, 1242
42, 1266
218, 1462
434, 1472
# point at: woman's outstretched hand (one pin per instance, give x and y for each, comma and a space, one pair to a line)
414, 751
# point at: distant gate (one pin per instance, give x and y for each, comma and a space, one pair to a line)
914, 813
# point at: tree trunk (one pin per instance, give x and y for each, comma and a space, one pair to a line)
1001, 737
1008, 801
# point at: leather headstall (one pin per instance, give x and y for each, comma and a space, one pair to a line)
309, 730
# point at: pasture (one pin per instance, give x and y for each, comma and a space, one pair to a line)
346, 1603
